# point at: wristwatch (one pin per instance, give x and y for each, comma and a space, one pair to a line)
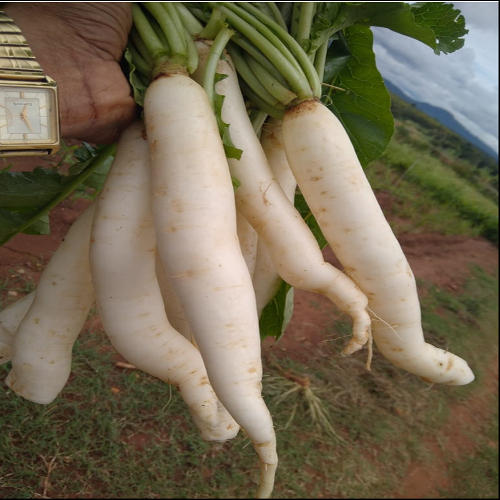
29, 115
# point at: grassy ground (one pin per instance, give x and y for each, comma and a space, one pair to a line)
425, 175
428, 194
342, 432
477, 476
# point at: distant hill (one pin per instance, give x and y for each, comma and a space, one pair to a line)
443, 117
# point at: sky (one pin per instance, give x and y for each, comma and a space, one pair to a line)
465, 83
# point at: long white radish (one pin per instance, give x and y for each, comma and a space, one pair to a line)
173, 307
248, 239
338, 193
266, 280
122, 257
195, 221
292, 246
41, 352
227, 427
10, 317
272, 143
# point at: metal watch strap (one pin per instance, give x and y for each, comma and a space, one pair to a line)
20, 72
17, 61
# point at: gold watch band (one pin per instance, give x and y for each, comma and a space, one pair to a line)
29, 116
17, 61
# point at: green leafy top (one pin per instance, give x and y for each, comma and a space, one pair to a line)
269, 46
436, 24
28, 197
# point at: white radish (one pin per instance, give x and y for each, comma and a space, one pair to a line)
195, 221
10, 317
272, 143
173, 307
339, 195
43, 343
227, 427
248, 239
266, 280
292, 246
122, 257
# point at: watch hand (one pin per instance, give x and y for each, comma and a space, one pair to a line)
24, 112
24, 117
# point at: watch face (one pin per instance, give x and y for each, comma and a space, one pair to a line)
27, 115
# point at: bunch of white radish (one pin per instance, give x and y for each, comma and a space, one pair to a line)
195, 228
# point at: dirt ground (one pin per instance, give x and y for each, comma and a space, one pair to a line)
440, 260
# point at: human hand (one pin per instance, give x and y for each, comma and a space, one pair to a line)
79, 45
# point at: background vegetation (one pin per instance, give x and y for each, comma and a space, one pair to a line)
452, 175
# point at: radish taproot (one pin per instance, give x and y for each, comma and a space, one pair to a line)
122, 258
10, 317
195, 221
44, 339
330, 177
248, 239
177, 318
173, 307
266, 280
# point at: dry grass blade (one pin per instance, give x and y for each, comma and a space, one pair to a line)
319, 413
299, 392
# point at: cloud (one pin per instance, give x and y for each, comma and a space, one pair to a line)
482, 15
465, 83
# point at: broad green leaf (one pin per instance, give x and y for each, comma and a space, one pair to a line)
86, 155
277, 314
396, 16
26, 198
436, 24
11, 219
337, 59
445, 21
333, 17
327, 21
40, 226
364, 108
35, 188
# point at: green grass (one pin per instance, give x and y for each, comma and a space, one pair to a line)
436, 182
425, 133
19, 282
477, 476
115, 433
413, 209
90, 431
